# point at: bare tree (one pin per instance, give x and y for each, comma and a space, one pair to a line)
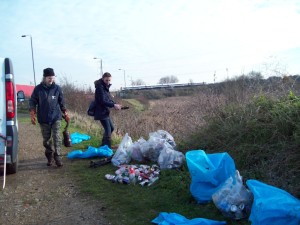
273, 67
168, 80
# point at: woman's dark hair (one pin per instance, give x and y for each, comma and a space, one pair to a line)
106, 74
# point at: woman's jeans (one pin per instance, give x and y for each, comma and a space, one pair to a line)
108, 129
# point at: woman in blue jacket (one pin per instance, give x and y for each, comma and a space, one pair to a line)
103, 103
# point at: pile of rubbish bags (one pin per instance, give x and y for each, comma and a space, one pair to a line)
215, 178
159, 148
135, 174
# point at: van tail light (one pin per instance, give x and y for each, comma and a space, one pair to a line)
10, 100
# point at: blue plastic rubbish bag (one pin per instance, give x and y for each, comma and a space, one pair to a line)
165, 218
78, 138
208, 172
103, 151
273, 205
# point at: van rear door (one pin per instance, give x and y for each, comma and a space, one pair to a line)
2, 107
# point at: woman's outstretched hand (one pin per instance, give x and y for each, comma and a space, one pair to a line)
117, 106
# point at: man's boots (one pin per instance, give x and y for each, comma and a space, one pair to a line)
49, 158
57, 160
106, 140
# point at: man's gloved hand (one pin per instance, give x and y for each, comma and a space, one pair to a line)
66, 116
33, 116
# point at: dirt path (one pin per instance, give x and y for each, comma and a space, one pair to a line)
38, 194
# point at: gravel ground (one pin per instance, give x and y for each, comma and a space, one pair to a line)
38, 194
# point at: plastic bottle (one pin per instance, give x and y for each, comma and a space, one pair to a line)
109, 176
125, 180
118, 172
144, 182
132, 178
233, 208
152, 180
137, 172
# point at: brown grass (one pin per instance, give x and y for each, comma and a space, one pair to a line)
180, 116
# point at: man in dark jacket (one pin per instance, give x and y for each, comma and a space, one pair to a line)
47, 102
103, 103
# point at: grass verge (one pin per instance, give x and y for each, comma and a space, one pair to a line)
134, 204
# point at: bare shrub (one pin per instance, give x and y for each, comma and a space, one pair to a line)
86, 123
77, 98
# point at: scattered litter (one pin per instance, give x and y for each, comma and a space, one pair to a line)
208, 172
103, 151
135, 174
233, 199
273, 205
78, 137
165, 218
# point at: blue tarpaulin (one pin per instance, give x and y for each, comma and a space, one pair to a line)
165, 218
77, 137
103, 151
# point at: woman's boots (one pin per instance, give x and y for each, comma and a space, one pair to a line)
106, 140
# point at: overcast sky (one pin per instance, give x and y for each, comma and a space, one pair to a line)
150, 39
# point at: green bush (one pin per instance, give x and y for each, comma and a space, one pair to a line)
262, 136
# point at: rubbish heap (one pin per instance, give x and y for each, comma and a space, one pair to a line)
160, 149
215, 178
135, 174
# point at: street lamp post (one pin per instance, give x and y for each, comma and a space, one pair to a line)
101, 71
31, 56
124, 77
